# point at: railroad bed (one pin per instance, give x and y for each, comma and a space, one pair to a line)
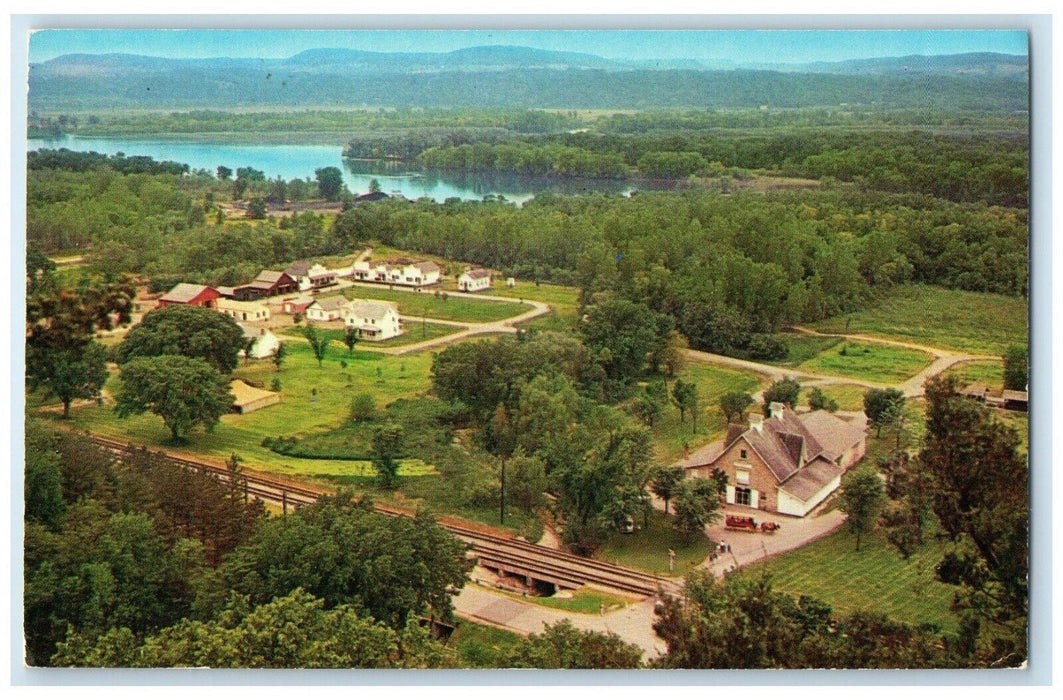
494, 550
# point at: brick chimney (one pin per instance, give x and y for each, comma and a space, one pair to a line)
756, 421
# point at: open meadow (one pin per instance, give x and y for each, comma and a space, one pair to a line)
450, 308
950, 319
879, 364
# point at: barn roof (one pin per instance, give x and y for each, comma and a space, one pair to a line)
184, 293
299, 268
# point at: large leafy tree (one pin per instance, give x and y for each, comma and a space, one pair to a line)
1016, 367
733, 404
61, 356
622, 334
741, 622
101, 570
666, 483
862, 499
393, 569
387, 447
329, 182
883, 407
784, 391
977, 483
697, 504
68, 373
183, 391
291, 631
190, 331
563, 646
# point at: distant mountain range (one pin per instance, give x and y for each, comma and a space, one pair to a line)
514, 75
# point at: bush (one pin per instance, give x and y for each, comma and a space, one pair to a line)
767, 347
363, 407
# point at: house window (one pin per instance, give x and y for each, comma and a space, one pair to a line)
743, 496
744, 454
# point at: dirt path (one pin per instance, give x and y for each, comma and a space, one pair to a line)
634, 623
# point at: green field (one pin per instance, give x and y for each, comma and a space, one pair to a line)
881, 364
427, 304
984, 372
850, 397
584, 600
647, 549
802, 347
671, 434
942, 318
388, 378
875, 578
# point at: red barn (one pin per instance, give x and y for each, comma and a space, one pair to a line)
190, 295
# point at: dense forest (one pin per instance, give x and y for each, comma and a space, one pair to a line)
970, 168
727, 268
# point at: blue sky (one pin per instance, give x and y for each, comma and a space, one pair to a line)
747, 46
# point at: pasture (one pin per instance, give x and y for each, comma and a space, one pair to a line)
973, 322
876, 578
880, 364
446, 308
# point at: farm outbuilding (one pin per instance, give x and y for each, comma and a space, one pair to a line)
249, 399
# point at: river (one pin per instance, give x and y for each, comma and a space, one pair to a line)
291, 161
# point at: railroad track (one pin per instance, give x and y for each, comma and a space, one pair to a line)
495, 551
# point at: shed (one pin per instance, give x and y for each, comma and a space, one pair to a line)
249, 399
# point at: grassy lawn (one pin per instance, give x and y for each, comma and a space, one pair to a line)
647, 549
482, 646
388, 378
875, 578
849, 396
418, 304
990, 373
415, 332
943, 318
584, 600
670, 433
882, 364
802, 347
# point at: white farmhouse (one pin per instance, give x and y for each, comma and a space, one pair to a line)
326, 309
373, 320
310, 275
400, 272
474, 280
243, 310
264, 345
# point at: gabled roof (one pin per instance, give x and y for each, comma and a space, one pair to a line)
810, 480
365, 308
334, 303
269, 277
478, 274
241, 305
787, 441
184, 293
833, 433
427, 267
299, 268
